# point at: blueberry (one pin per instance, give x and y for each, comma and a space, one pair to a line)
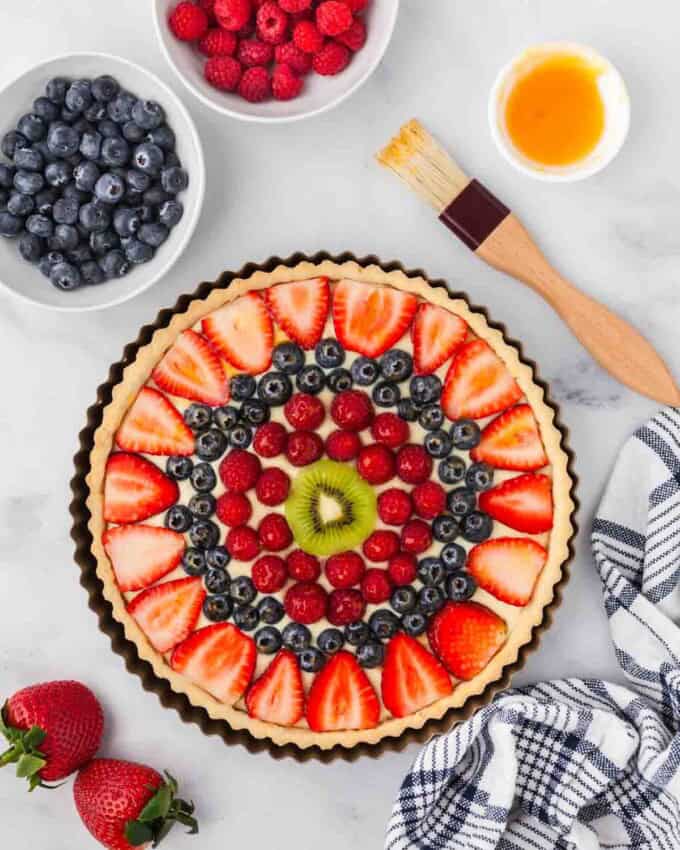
33, 127
211, 444
203, 478
243, 590
460, 586
65, 238
148, 114
357, 633
80, 254
137, 180
403, 599
65, 276
479, 477
179, 467
67, 116
179, 518
134, 199
95, 112
408, 409
155, 196
31, 247
91, 145
126, 221
20, 205
71, 192
296, 637
364, 371
477, 527
95, 217
465, 434
148, 158
267, 640
386, 394
146, 213
311, 380
29, 159
7, 174
81, 126
271, 610
171, 158
174, 180
217, 557
45, 109
138, 252
242, 387
453, 557
162, 136
193, 562
275, 388
120, 108
414, 623
198, 416
329, 353
4, 198
12, 141
108, 129
65, 211
216, 581
339, 380
225, 417
240, 436
10, 225
311, 660
28, 182
371, 654
62, 140
438, 444
115, 152
430, 600
451, 470
383, 623
218, 608
246, 618
431, 571
425, 389
153, 234
255, 412
109, 188
45, 152
86, 174
396, 365
330, 641
104, 88
204, 534
431, 417
133, 133
56, 89
170, 213
58, 173
92, 273
103, 242
461, 501
287, 356
78, 96
114, 264
202, 505
49, 261
445, 528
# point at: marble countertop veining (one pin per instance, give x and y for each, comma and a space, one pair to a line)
308, 186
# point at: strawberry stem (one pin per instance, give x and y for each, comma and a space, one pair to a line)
24, 751
160, 814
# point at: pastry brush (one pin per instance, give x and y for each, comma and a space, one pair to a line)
498, 237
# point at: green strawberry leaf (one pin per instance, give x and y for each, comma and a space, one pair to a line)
28, 765
138, 833
158, 806
34, 737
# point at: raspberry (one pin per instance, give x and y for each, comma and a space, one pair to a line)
285, 84
381, 545
255, 84
289, 54
274, 533
217, 42
208, 7
303, 447
345, 569
240, 470
376, 464
414, 465
357, 5
303, 566
305, 602
295, 6
345, 606
352, 410
429, 499
270, 439
242, 543
355, 36
269, 573
333, 17
304, 412
403, 568
394, 506
223, 72
342, 445
376, 586
233, 14
272, 486
233, 509
252, 51
272, 23
390, 429
331, 59
188, 22
416, 536
307, 37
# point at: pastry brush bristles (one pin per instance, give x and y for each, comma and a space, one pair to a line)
423, 163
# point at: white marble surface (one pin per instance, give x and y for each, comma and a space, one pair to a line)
307, 186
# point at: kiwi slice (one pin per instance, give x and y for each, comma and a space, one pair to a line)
330, 508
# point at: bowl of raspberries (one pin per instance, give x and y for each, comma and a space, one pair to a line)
274, 60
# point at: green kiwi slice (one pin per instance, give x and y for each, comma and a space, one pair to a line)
330, 508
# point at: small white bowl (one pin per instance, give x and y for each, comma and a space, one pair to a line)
616, 104
319, 93
25, 280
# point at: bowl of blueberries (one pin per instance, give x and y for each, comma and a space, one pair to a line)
102, 180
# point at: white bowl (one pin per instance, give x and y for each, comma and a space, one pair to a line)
319, 93
616, 104
25, 280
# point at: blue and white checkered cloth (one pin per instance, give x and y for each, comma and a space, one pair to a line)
579, 764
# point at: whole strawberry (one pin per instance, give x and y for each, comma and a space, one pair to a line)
126, 805
52, 728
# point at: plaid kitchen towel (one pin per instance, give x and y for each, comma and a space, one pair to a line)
579, 764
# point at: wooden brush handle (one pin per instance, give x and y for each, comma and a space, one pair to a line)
615, 344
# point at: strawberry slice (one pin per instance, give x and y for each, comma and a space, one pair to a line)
507, 567
193, 369
153, 426
466, 636
523, 503
342, 697
370, 319
300, 308
243, 333
278, 696
478, 383
167, 613
135, 489
512, 441
412, 677
220, 658
437, 334
141, 554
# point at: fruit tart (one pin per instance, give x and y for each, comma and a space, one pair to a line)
328, 503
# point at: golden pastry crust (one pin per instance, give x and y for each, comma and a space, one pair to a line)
529, 617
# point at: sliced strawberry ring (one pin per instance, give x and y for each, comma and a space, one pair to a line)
300, 308
135, 489
155, 427
193, 369
412, 677
523, 503
512, 441
142, 554
167, 612
278, 696
478, 383
466, 636
342, 697
507, 567
243, 333
437, 334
